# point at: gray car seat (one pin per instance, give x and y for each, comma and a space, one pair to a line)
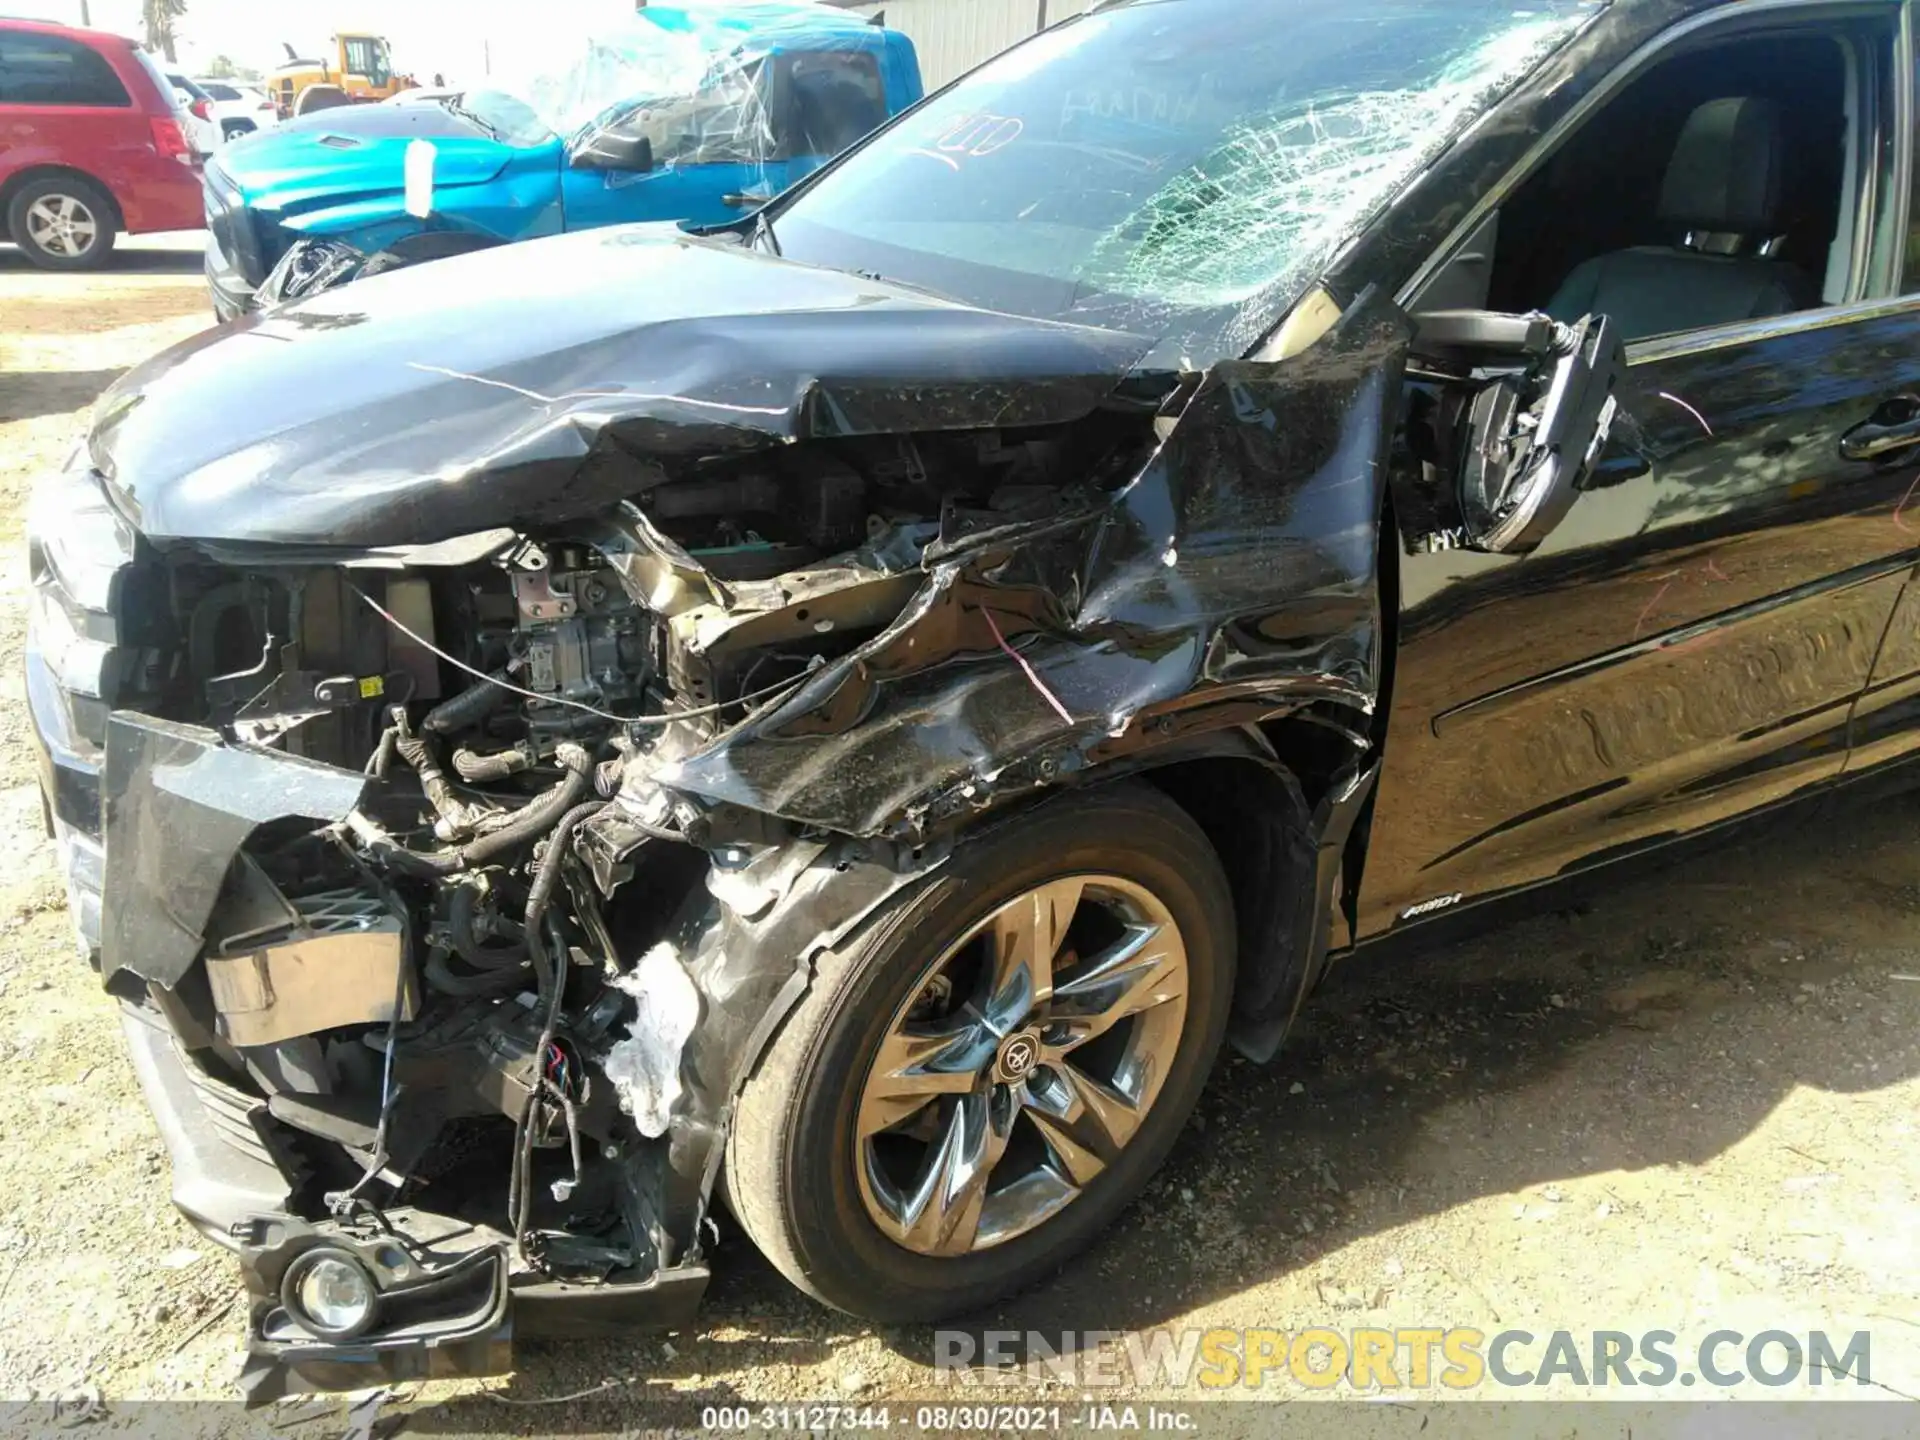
1722, 198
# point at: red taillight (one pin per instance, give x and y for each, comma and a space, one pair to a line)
201, 110
264, 105
170, 141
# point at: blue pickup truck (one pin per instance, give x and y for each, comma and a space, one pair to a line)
693, 113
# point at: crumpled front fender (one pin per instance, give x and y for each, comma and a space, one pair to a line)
1234, 579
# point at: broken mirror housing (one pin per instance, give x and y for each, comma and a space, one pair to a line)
1543, 409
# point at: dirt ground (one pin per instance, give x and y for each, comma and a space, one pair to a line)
1692, 1105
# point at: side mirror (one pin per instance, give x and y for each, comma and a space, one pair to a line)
607, 151
1539, 404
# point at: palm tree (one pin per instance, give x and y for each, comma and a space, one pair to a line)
159, 16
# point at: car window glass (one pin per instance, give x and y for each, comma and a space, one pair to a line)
365, 57
1184, 171
145, 60
828, 100
725, 122
221, 92
1910, 283
52, 70
1724, 183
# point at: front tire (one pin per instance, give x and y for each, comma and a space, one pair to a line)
62, 223
982, 1080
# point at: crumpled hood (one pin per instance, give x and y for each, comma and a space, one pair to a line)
494, 389
355, 152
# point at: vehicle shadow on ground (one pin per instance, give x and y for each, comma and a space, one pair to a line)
124, 260
1655, 1028
29, 395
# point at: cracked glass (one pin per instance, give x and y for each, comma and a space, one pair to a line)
1163, 166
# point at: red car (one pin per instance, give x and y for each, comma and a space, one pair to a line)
90, 145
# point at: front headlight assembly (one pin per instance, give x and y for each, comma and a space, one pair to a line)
76, 539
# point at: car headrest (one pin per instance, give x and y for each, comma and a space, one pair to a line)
1725, 170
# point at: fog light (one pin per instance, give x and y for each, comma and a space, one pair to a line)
329, 1293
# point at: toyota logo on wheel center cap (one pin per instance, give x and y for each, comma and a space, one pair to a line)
1018, 1055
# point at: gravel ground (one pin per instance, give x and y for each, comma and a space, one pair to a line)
1689, 1106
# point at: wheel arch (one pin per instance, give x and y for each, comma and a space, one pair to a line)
1277, 804
1266, 798
20, 179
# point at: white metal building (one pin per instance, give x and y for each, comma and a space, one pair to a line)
953, 36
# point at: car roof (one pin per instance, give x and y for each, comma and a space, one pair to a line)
769, 27
54, 27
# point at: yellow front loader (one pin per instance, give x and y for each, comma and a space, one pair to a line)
358, 69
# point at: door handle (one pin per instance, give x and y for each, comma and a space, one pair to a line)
1894, 426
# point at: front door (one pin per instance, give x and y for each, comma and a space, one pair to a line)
1689, 641
694, 193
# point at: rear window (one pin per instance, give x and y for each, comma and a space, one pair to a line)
161, 84
53, 70
219, 91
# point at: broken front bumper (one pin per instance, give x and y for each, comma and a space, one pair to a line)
450, 1296
451, 1293
450, 1301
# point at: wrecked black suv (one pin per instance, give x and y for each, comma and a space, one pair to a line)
843, 715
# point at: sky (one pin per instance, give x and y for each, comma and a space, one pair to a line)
456, 38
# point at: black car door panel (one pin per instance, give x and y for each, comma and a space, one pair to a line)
1686, 644
1885, 724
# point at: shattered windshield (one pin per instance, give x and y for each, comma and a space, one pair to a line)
1162, 165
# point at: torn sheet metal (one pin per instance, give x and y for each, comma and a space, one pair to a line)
749, 942
480, 392
1235, 577
644, 1066
177, 804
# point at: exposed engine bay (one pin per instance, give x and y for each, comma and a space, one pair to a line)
453, 994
